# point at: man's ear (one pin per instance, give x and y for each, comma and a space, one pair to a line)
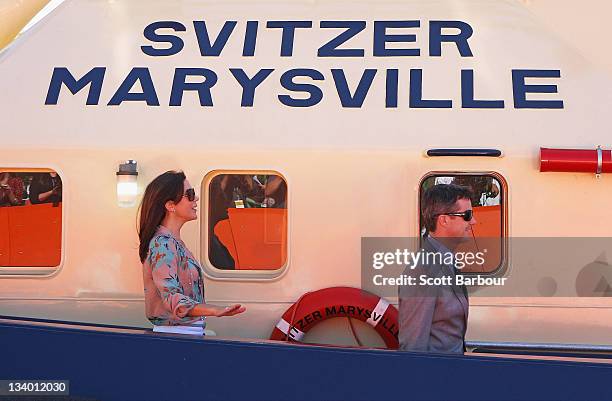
170, 206
442, 220
437, 222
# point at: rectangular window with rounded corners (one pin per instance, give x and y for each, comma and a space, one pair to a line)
30, 220
246, 225
478, 237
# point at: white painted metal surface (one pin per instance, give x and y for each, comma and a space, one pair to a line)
351, 172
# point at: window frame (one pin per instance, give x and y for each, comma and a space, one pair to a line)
504, 263
42, 272
214, 273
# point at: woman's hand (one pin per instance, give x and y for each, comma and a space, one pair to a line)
229, 310
45, 195
214, 310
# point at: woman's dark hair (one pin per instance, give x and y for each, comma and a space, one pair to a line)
152, 210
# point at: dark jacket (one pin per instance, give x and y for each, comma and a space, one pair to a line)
44, 183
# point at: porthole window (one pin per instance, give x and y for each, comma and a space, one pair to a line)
246, 224
30, 221
485, 234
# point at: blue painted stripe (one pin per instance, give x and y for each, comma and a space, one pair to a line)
115, 364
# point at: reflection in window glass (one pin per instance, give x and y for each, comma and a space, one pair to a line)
30, 218
247, 221
487, 203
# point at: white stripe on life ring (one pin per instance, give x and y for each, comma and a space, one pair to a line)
295, 333
378, 312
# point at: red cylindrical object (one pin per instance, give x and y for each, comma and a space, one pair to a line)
575, 160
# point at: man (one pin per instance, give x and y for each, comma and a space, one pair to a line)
434, 317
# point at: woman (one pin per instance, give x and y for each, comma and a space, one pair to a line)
46, 188
11, 190
174, 291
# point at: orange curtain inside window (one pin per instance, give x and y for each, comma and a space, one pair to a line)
255, 237
487, 238
31, 235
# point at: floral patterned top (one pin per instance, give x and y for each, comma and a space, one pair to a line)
172, 281
16, 185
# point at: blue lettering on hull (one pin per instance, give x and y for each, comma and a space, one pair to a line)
302, 87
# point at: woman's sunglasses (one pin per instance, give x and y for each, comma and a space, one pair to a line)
190, 194
467, 215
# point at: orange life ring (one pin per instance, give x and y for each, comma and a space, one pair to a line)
314, 307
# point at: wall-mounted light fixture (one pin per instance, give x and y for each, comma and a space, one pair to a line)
127, 183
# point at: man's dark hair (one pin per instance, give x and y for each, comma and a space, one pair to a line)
441, 199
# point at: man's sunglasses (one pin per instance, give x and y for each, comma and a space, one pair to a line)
190, 194
467, 215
